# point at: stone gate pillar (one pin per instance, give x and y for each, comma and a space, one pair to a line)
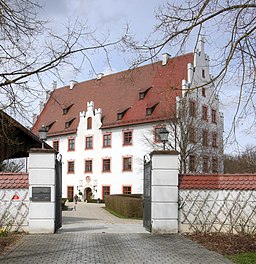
164, 192
42, 189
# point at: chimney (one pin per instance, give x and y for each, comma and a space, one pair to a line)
34, 118
54, 85
99, 76
165, 58
41, 106
72, 83
47, 95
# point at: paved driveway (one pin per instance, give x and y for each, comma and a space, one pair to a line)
91, 235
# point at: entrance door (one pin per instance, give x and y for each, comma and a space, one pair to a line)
147, 195
88, 194
70, 193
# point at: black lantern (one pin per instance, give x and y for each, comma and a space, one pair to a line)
43, 134
163, 134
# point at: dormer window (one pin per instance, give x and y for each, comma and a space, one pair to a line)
68, 123
48, 127
66, 109
119, 116
121, 113
143, 93
150, 109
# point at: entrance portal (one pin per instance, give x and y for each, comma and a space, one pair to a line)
87, 194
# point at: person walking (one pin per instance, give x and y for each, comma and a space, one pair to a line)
76, 199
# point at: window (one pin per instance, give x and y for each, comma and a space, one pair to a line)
121, 113
192, 163
127, 164
106, 165
215, 165
89, 123
192, 135
70, 192
203, 73
205, 138
120, 116
71, 144
142, 94
88, 142
192, 108
204, 113
68, 123
214, 139
71, 167
205, 164
105, 191
66, 109
127, 138
203, 92
106, 140
214, 116
88, 166
127, 189
49, 126
55, 145
150, 109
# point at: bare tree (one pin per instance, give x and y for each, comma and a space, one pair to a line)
29, 51
245, 162
190, 134
230, 27
184, 130
13, 165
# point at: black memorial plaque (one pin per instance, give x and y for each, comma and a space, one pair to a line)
41, 194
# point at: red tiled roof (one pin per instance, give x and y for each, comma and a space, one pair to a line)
218, 182
119, 91
13, 180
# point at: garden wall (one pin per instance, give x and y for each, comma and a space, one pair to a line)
129, 206
14, 201
217, 203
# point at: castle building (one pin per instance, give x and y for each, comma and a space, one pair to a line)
104, 127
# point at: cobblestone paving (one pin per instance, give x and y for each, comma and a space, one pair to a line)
91, 235
109, 248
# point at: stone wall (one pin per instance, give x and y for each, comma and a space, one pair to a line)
14, 201
217, 203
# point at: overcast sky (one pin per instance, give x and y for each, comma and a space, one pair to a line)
106, 16
112, 16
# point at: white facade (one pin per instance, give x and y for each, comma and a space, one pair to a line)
208, 121
92, 182
116, 178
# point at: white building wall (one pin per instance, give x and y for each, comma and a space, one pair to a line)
116, 178
199, 77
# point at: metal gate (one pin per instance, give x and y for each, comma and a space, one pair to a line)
58, 194
147, 194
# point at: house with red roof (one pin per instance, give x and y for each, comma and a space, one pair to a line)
105, 126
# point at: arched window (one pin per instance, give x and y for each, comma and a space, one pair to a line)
89, 123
